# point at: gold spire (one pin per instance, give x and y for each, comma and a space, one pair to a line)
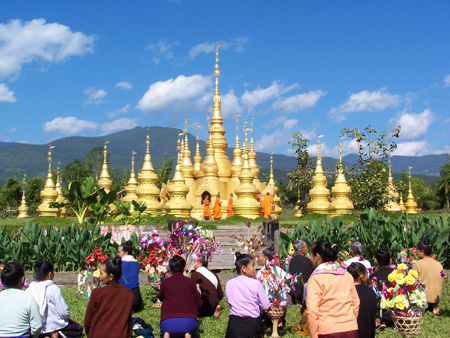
49, 193
319, 193
252, 153
132, 185
411, 204
23, 208
209, 166
60, 197
187, 169
217, 131
271, 179
237, 154
104, 181
198, 173
147, 191
341, 203
391, 204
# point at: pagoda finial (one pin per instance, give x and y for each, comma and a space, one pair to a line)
147, 141
340, 150
105, 151
216, 67
271, 179
49, 157
132, 161
318, 146
185, 130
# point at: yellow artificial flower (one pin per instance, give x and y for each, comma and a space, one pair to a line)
385, 303
291, 249
392, 276
410, 280
400, 306
401, 266
400, 279
97, 273
413, 273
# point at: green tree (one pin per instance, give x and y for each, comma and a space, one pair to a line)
368, 178
93, 161
119, 178
75, 171
444, 182
10, 195
33, 194
424, 194
300, 179
164, 169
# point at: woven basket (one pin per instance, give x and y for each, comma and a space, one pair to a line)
408, 327
275, 312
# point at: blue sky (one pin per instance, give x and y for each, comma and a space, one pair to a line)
90, 68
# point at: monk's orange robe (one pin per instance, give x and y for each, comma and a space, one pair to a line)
230, 211
267, 206
217, 210
206, 209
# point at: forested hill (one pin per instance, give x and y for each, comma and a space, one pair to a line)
19, 158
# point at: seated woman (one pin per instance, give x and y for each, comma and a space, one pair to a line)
180, 302
54, 311
430, 273
356, 250
109, 310
19, 313
211, 290
130, 273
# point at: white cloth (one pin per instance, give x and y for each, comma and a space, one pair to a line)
18, 313
128, 258
51, 304
209, 275
364, 262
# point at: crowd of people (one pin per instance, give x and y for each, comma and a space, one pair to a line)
335, 300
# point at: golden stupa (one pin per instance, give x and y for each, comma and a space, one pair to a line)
60, 198
49, 193
411, 204
104, 181
131, 186
341, 203
298, 209
401, 204
23, 208
392, 194
319, 193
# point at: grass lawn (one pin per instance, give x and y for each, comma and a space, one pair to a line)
433, 326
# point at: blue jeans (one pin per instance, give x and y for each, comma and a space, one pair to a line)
178, 327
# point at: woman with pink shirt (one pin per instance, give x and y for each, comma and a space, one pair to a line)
331, 296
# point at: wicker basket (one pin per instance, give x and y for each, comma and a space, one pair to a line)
275, 311
408, 327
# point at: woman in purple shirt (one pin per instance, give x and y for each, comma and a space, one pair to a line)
246, 298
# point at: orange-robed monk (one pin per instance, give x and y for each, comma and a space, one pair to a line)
217, 210
267, 205
206, 209
230, 211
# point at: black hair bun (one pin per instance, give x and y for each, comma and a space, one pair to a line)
426, 241
39, 263
237, 254
334, 248
117, 261
7, 268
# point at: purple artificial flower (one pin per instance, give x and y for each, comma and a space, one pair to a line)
361, 259
26, 283
177, 232
186, 233
441, 273
144, 239
2, 287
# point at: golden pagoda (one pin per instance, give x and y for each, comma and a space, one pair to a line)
391, 204
132, 185
319, 193
402, 205
411, 204
104, 181
178, 205
49, 193
298, 209
198, 173
147, 190
341, 203
246, 204
23, 208
60, 198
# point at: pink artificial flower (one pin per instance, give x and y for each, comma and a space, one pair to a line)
441, 273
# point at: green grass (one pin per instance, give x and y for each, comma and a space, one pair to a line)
433, 327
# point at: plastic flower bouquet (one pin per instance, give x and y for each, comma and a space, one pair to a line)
92, 261
407, 297
249, 246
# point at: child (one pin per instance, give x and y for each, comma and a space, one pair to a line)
130, 273
368, 301
19, 313
109, 310
246, 298
54, 311
180, 302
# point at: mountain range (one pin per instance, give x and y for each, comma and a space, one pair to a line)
20, 158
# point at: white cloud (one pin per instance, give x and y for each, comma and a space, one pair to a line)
447, 81
230, 105
94, 96
120, 124
69, 125
414, 125
236, 44
261, 95
281, 136
125, 85
417, 148
175, 92
298, 102
22, 43
12, 130
365, 101
161, 50
6, 95
117, 112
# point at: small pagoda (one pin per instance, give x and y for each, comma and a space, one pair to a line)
319, 193
49, 193
23, 208
393, 195
411, 204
